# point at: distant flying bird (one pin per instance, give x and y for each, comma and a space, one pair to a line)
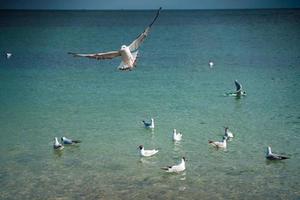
57, 145
273, 156
176, 168
65, 140
127, 53
222, 144
176, 136
149, 125
147, 153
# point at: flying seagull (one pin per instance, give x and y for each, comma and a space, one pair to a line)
127, 53
147, 153
273, 156
176, 168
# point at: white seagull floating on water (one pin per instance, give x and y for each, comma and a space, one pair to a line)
57, 145
149, 125
147, 153
127, 53
65, 140
176, 136
176, 168
8, 55
273, 156
222, 144
211, 64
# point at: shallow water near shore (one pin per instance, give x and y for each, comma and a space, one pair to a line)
46, 93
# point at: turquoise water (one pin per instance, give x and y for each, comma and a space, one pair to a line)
46, 93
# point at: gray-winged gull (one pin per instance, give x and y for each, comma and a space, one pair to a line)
176, 168
147, 153
127, 53
273, 156
217, 144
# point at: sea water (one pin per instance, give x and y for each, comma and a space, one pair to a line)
46, 93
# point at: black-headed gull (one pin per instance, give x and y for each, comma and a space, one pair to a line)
149, 124
127, 53
176, 168
176, 136
147, 153
222, 144
228, 133
273, 156
57, 145
65, 140
238, 92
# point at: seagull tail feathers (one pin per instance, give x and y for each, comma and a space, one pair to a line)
76, 141
165, 168
284, 157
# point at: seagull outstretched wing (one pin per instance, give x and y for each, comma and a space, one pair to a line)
238, 86
140, 39
98, 56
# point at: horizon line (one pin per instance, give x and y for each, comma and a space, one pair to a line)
146, 9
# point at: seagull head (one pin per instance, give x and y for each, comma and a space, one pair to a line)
123, 47
141, 147
184, 159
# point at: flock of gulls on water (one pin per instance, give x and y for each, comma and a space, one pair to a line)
129, 55
177, 136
